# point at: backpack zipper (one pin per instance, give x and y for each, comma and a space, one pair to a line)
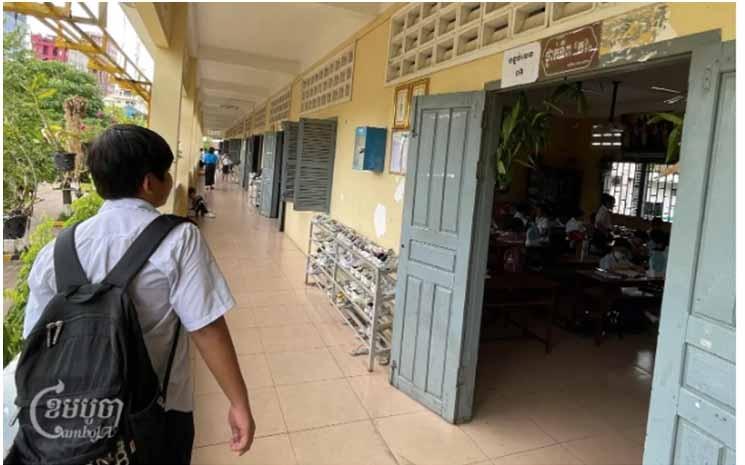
54, 329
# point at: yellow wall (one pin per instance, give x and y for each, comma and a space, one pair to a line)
356, 195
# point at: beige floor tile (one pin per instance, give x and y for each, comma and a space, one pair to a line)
255, 371
266, 298
290, 338
240, 318
273, 450
247, 341
566, 422
325, 403
302, 367
611, 449
254, 368
337, 334
424, 438
380, 399
500, 434
351, 365
267, 412
210, 419
554, 455
211, 413
322, 314
280, 315
349, 444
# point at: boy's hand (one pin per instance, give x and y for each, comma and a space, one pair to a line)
242, 427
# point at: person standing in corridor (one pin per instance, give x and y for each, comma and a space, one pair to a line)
179, 286
210, 166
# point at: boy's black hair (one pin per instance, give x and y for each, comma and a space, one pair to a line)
211, 150
192, 191
121, 157
659, 237
606, 199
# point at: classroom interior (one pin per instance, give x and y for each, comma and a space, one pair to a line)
569, 330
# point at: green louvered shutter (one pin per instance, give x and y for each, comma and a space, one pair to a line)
289, 160
315, 164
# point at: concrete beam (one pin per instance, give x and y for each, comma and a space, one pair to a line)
250, 60
360, 9
234, 88
149, 23
193, 31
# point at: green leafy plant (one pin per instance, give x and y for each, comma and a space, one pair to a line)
34, 93
675, 136
13, 322
524, 134
82, 209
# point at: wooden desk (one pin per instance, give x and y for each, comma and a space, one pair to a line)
609, 291
516, 291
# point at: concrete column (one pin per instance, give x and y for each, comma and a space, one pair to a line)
165, 101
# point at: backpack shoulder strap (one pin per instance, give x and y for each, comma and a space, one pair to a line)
143, 247
67, 268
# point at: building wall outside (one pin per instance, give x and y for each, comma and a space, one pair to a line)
358, 195
45, 49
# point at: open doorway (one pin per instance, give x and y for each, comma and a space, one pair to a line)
577, 256
591, 391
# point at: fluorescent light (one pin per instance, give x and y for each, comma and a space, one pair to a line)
675, 99
665, 89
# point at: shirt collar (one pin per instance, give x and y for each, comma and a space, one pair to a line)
128, 203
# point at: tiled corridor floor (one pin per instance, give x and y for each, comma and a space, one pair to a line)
316, 405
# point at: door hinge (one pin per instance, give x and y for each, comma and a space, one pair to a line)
461, 374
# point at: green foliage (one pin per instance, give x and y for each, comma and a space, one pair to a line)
523, 135
82, 209
674, 138
13, 323
34, 93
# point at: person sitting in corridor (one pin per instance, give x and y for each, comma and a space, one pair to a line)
180, 284
198, 205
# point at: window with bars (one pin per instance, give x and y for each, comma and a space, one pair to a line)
645, 190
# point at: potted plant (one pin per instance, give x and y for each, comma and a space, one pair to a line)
523, 136
674, 137
19, 195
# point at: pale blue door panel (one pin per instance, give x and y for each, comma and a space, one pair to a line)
436, 239
692, 412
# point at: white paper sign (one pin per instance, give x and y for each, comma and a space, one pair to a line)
520, 65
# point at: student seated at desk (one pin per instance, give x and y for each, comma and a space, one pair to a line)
657, 253
619, 258
522, 213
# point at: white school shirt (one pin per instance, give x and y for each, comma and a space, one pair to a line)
180, 281
603, 218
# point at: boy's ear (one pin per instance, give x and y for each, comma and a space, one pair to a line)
147, 185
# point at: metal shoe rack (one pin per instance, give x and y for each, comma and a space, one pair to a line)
359, 285
254, 191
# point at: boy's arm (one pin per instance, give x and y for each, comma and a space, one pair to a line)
216, 347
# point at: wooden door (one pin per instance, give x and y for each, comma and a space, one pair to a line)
692, 413
436, 236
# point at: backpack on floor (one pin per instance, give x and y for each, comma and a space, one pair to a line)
87, 390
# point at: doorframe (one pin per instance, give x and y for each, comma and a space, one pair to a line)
626, 60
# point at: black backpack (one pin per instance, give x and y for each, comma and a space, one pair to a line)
87, 390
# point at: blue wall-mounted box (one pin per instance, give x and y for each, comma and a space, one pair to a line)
369, 149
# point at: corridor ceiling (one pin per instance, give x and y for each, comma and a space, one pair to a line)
246, 52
